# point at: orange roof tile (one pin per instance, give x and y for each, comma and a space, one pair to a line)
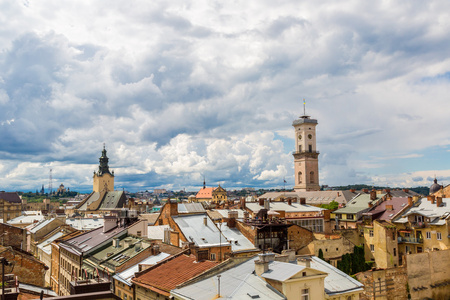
205, 193
170, 273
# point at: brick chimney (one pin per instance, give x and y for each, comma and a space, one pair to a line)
366, 190
438, 201
289, 201
302, 200
406, 190
173, 207
373, 194
352, 190
430, 198
262, 265
410, 201
232, 216
261, 201
242, 203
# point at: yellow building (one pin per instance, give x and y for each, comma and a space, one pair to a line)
211, 194
103, 178
424, 226
10, 205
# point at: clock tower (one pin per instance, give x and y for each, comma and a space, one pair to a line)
306, 156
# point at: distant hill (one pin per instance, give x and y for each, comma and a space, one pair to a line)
423, 190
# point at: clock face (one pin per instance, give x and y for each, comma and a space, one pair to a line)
299, 136
309, 136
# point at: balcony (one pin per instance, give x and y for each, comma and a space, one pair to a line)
418, 224
410, 240
299, 154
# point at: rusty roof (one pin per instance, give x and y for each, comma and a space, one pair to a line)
168, 274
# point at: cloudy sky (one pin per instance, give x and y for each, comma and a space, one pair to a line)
178, 90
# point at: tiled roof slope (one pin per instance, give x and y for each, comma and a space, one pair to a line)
11, 197
166, 275
205, 192
381, 213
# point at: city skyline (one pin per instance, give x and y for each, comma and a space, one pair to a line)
181, 91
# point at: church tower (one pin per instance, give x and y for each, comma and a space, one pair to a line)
306, 156
103, 179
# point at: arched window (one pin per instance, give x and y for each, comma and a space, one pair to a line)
299, 177
311, 177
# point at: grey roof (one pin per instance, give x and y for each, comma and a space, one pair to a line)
193, 228
423, 207
40, 225
36, 289
224, 212
312, 197
282, 271
85, 223
46, 244
358, 204
184, 208
85, 242
284, 206
236, 283
126, 275
337, 282
238, 241
29, 219
304, 119
112, 200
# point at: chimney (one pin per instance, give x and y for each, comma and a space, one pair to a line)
415, 199
232, 216
262, 265
373, 194
242, 203
205, 221
155, 249
303, 201
115, 242
430, 197
110, 222
304, 261
389, 207
370, 204
294, 200
246, 216
261, 201
289, 201
366, 190
406, 190
338, 194
173, 207
433, 200
267, 204
137, 246
352, 190
410, 201
438, 201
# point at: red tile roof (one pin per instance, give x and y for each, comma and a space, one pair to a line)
166, 275
205, 193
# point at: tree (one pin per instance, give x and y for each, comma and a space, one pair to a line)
321, 254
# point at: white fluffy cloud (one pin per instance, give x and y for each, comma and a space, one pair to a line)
183, 90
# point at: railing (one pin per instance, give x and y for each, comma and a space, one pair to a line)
418, 224
402, 239
305, 152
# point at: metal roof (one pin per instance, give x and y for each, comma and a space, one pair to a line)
85, 223
184, 208
358, 204
282, 271
236, 283
337, 282
126, 275
26, 219
238, 241
284, 206
44, 245
194, 229
423, 207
